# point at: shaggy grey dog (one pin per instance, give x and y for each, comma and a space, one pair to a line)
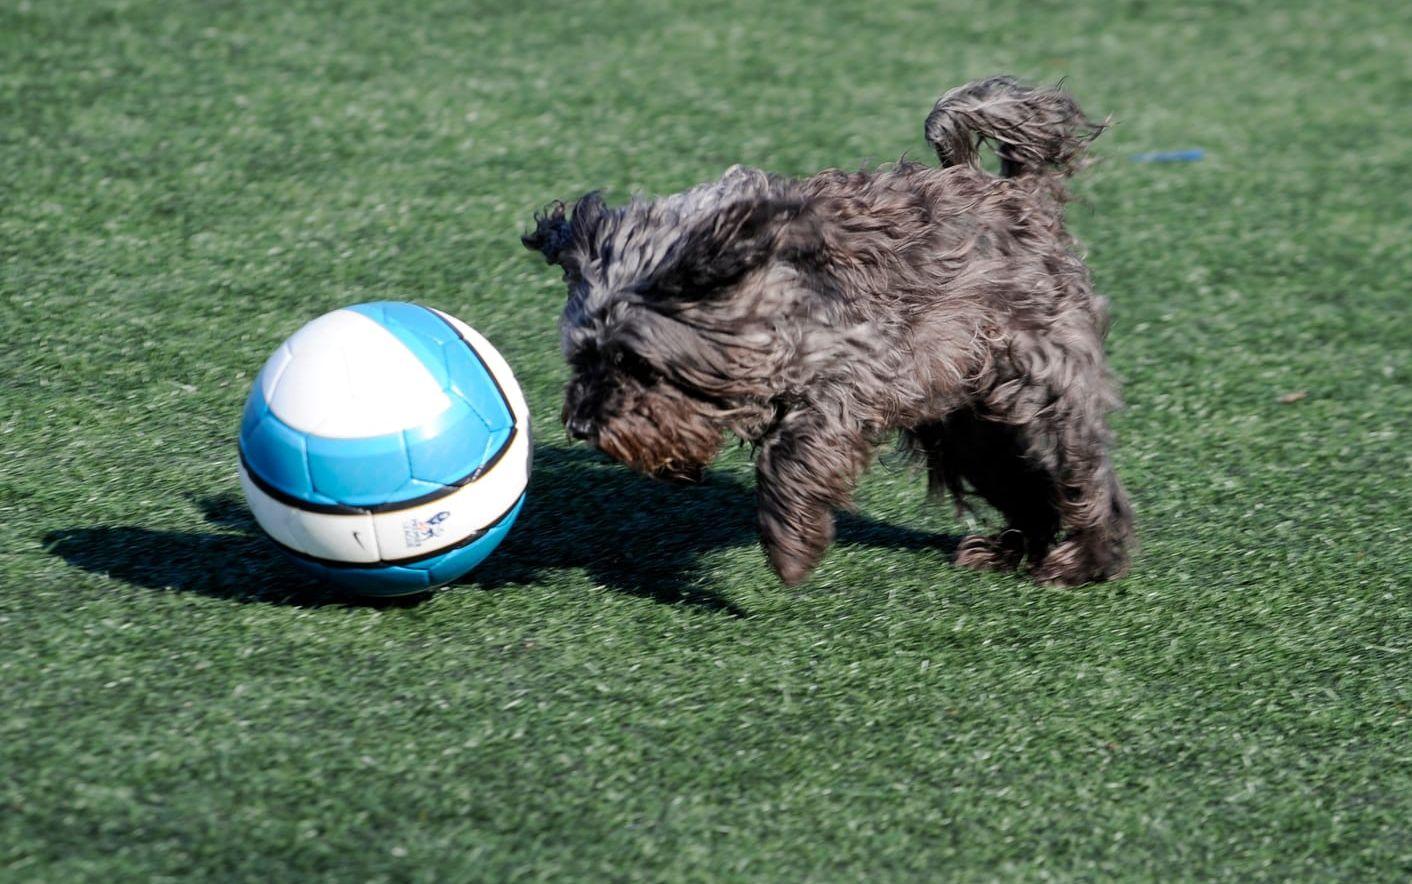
811, 317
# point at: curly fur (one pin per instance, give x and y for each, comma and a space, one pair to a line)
812, 317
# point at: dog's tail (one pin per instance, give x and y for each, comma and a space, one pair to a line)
1033, 131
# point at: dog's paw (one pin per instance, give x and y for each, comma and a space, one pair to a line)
791, 568
1074, 563
991, 552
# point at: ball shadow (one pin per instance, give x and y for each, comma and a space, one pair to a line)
644, 537
628, 533
240, 567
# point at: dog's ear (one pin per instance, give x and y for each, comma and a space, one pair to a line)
734, 240
556, 229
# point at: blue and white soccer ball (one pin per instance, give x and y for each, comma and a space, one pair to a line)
386, 448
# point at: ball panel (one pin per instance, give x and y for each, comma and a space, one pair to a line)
458, 562
392, 580
398, 534
255, 410
277, 453
359, 472
351, 377
311, 390
383, 582
376, 472
471, 379
346, 537
499, 368
446, 521
414, 490
271, 515
272, 371
418, 320
400, 321
495, 447
450, 447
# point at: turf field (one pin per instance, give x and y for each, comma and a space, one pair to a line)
623, 691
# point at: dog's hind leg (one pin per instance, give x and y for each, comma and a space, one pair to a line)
1096, 519
1058, 407
968, 453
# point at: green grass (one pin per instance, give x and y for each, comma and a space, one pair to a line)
623, 691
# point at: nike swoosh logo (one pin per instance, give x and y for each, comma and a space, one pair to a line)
359, 539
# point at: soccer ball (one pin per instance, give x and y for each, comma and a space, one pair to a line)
386, 448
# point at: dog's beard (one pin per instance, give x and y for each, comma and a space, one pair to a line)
656, 430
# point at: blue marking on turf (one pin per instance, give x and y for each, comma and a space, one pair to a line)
1192, 155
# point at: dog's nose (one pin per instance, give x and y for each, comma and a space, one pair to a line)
581, 429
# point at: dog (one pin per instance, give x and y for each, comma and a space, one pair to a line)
811, 318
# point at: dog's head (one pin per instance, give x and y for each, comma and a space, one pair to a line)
672, 313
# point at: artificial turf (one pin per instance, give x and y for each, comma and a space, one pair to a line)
624, 691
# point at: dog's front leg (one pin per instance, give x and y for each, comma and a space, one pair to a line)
806, 468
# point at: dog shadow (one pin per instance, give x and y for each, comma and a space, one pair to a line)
627, 533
